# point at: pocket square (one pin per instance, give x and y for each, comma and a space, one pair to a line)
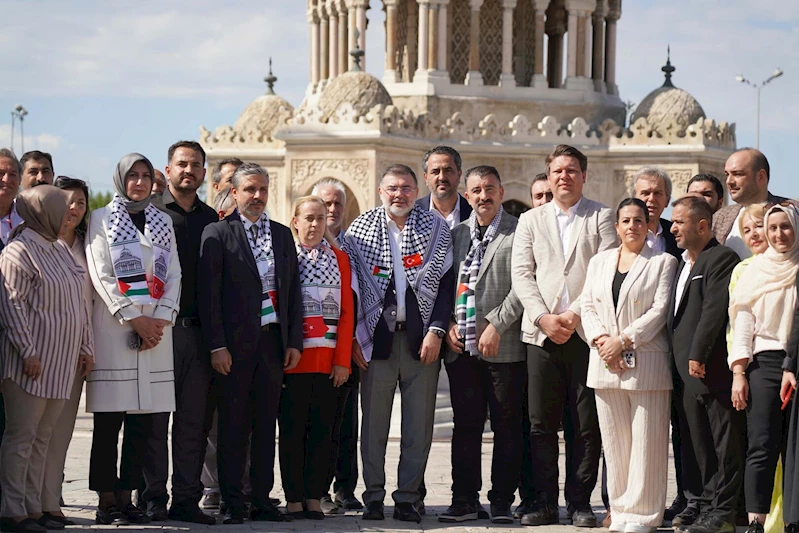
697, 277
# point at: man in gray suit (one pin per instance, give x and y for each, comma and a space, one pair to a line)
485, 359
552, 247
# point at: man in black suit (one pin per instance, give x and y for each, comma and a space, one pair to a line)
251, 312
712, 455
442, 174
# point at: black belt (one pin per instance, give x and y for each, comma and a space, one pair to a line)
400, 326
187, 322
271, 327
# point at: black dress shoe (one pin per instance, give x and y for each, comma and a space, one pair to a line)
459, 511
319, 515
348, 501
60, 519
157, 512
190, 512
755, 527
687, 517
523, 508
374, 511
541, 514
136, 516
234, 515
110, 516
48, 524
500, 513
268, 514
406, 512
28, 525
711, 524
677, 506
296, 515
582, 516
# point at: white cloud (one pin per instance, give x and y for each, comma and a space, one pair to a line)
45, 142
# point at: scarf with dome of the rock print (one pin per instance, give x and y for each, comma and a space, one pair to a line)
320, 279
465, 306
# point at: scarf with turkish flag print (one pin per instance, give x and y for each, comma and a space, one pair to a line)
320, 279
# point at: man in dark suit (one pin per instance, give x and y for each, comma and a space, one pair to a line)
442, 174
652, 185
402, 257
251, 312
712, 453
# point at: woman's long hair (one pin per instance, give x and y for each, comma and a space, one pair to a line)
331, 240
69, 184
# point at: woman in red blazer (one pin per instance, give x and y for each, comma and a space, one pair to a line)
308, 402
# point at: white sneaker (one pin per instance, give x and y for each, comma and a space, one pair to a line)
632, 527
617, 527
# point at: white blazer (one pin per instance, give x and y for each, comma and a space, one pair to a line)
641, 315
125, 379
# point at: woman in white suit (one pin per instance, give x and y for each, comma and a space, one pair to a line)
625, 303
134, 266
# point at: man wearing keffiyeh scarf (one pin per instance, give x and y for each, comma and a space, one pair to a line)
402, 257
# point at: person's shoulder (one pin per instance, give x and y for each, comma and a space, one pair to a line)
280, 229
665, 223
592, 206
508, 223
728, 211
423, 202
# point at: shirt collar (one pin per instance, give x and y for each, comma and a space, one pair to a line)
248, 224
572, 210
456, 211
686, 257
167, 199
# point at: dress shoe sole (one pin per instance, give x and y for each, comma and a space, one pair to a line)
452, 519
584, 522
501, 519
539, 521
373, 516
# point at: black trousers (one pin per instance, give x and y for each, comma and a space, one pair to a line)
557, 375
344, 452
767, 429
190, 423
249, 400
713, 455
676, 440
526, 488
307, 413
475, 384
136, 465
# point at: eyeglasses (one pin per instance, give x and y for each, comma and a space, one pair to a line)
404, 190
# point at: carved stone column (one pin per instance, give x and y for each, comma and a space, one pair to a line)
332, 15
360, 18
343, 47
610, 51
507, 78
391, 75
579, 58
474, 76
443, 38
313, 20
571, 58
432, 40
324, 43
539, 77
424, 36
352, 25
597, 72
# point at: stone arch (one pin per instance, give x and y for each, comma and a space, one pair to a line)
515, 207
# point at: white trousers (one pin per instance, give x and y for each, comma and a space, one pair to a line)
635, 439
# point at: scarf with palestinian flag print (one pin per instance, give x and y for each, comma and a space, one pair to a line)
465, 302
320, 279
126, 252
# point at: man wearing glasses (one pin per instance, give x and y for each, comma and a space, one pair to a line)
402, 256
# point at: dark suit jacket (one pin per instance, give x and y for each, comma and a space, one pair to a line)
229, 290
466, 209
671, 242
725, 217
792, 355
697, 331
384, 330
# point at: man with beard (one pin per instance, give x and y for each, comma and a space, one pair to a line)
251, 311
402, 256
442, 173
186, 171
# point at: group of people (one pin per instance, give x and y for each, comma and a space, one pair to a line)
608, 325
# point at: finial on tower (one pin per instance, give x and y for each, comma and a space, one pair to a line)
356, 53
668, 68
270, 79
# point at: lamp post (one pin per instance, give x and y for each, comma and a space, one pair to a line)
19, 112
740, 78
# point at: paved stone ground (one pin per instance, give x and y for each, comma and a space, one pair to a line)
81, 502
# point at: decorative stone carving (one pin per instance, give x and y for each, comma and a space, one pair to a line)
306, 172
669, 105
359, 89
549, 127
264, 115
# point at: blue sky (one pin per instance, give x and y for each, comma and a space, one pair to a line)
101, 79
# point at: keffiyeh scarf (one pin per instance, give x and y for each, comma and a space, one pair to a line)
465, 302
426, 255
259, 235
320, 279
126, 253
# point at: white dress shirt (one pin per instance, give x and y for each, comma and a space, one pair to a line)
9, 222
656, 241
565, 221
685, 273
400, 280
735, 240
454, 218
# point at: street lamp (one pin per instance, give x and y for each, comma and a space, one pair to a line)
19, 112
740, 78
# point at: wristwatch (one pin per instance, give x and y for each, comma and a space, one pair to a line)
440, 334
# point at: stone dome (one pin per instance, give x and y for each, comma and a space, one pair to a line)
262, 115
363, 91
669, 105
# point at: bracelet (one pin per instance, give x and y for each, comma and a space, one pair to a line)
741, 373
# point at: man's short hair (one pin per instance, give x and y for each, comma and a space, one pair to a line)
35, 155
541, 176
652, 172
216, 175
482, 171
5, 152
192, 145
759, 161
710, 178
569, 151
223, 201
697, 207
398, 169
248, 169
443, 150
329, 182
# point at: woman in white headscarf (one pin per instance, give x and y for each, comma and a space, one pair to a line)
134, 266
762, 308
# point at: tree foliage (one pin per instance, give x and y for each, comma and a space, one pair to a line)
99, 199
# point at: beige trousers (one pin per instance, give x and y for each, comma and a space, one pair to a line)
29, 424
635, 439
57, 451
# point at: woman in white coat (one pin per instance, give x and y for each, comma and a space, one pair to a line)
134, 266
625, 303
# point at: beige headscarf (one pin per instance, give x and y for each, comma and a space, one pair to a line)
42, 209
768, 285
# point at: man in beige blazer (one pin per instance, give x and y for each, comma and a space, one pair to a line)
552, 247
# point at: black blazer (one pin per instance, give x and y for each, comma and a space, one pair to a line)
671, 242
229, 289
465, 208
442, 310
792, 355
698, 331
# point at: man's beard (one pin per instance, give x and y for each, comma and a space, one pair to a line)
443, 195
186, 188
399, 211
253, 209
